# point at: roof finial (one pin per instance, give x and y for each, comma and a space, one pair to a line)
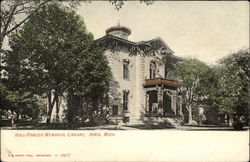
118, 23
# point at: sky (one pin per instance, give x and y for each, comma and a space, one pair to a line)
206, 30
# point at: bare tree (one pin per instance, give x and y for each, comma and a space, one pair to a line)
15, 13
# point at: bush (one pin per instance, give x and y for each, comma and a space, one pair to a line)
238, 125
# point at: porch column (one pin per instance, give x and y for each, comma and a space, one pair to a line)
160, 100
174, 104
180, 99
146, 102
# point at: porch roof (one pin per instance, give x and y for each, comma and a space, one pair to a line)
161, 81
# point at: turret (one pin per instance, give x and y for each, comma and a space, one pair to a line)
119, 31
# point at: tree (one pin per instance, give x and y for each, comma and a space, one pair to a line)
14, 13
21, 103
231, 95
190, 72
10, 10
13, 93
59, 55
225, 86
91, 84
119, 3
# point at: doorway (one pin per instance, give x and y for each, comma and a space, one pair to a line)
167, 105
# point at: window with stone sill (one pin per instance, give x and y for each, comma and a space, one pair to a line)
166, 72
125, 69
152, 70
125, 100
115, 110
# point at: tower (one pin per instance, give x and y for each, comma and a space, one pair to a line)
119, 31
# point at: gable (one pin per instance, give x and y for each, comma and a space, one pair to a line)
151, 47
158, 43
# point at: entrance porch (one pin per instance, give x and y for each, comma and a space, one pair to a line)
160, 98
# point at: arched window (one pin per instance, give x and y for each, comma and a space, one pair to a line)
126, 69
152, 70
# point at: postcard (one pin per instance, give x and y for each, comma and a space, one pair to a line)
124, 80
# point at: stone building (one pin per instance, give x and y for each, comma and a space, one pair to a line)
141, 87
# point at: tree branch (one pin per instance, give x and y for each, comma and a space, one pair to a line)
3, 33
19, 24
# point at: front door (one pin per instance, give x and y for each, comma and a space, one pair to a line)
153, 99
167, 105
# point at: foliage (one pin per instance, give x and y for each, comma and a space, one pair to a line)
3, 96
58, 55
191, 72
231, 93
224, 87
14, 96
119, 3
10, 10
22, 103
14, 13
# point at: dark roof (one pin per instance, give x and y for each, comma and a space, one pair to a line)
148, 43
119, 28
161, 81
116, 38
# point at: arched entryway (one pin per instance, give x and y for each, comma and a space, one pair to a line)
153, 101
167, 105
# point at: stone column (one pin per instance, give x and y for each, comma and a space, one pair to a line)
139, 95
146, 101
181, 107
160, 100
174, 104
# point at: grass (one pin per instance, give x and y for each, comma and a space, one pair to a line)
146, 126
30, 125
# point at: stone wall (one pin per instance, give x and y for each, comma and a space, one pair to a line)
120, 84
139, 66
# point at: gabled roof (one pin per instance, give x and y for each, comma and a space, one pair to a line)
109, 36
156, 43
158, 39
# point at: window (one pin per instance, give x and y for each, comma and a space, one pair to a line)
115, 110
125, 119
166, 72
125, 69
125, 100
152, 70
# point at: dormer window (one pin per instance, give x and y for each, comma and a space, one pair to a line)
152, 70
126, 69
